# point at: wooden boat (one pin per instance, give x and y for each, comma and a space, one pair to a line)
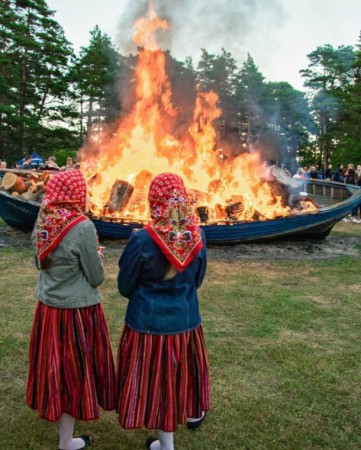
336, 200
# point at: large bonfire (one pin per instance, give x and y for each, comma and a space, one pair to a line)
120, 170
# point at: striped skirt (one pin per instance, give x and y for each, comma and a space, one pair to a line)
71, 368
162, 379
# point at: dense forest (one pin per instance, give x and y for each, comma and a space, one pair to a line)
50, 97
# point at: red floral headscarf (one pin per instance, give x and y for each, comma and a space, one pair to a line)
62, 207
173, 226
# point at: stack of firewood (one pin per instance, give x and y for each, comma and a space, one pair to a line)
28, 185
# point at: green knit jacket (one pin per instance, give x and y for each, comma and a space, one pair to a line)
76, 271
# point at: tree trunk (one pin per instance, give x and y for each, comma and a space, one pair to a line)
41, 109
248, 138
81, 119
90, 115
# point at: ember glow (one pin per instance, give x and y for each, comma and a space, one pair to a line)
143, 145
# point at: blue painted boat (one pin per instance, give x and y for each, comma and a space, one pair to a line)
336, 200
18, 213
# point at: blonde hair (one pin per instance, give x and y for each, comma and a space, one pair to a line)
170, 273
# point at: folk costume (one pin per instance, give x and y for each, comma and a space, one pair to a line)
163, 371
71, 368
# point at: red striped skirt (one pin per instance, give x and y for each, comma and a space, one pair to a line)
71, 368
162, 379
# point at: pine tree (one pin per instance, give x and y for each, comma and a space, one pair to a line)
95, 76
35, 57
251, 94
329, 75
349, 147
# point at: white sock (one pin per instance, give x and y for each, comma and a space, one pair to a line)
165, 441
66, 429
155, 445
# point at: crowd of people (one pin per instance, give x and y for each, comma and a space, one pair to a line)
348, 175
161, 376
48, 164
341, 174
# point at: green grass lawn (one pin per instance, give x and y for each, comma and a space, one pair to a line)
284, 341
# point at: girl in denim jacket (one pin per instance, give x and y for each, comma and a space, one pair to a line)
163, 371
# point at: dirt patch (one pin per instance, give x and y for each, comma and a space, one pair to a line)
330, 248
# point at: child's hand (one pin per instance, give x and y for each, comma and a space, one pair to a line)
100, 253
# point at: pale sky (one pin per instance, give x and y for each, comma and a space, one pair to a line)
278, 34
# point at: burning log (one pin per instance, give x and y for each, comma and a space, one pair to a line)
203, 213
279, 190
219, 211
195, 197
197, 201
138, 204
13, 183
234, 210
120, 195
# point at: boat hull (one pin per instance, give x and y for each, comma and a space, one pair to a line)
22, 215
17, 213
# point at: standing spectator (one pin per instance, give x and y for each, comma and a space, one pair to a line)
26, 165
328, 172
163, 373
338, 174
69, 164
299, 174
350, 178
358, 173
307, 172
313, 173
319, 173
358, 176
71, 369
51, 164
350, 175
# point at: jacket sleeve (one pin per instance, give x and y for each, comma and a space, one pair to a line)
90, 261
199, 276
130, 264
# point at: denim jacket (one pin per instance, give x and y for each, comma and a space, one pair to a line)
158, 306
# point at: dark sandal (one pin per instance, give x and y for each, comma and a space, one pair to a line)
195, 423
87, 441
150, 441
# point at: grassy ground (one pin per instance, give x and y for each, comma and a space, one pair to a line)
284, 345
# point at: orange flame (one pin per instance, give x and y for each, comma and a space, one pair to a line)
143, 145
